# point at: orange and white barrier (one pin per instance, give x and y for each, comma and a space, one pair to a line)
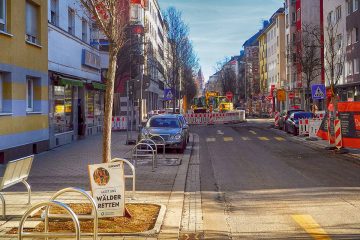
338, 135
304, 127
119, 123
215, 118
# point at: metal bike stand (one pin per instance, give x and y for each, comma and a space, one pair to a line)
152, 143
94, 214
133, 176
137, 152
46, 234
161, 143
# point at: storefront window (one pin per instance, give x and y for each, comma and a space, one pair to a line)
90, 108
99, 108
63, 112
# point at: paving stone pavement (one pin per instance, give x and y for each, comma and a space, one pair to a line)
66, 166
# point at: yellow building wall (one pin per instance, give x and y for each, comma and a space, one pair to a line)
263, 62
14, 49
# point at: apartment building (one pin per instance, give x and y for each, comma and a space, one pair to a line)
76, 93
24, 127
24, 123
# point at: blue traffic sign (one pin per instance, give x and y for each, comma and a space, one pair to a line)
318, 91
168, 94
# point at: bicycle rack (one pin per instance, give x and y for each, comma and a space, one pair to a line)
139, 151
94, 214
161, 142
133, 176
152, 143
46, 234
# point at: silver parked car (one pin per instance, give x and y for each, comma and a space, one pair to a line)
168, 127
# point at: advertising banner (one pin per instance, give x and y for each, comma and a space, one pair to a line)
349, 115
108, 188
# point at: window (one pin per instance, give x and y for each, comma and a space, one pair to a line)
356, 5
84, 32
54, 13
63, 112
356, 66
339, 41
355, 35
1, 91
329, 18
349, 6
298, 15
293, 17
348, 38
3, 15
338, 13
32, 16
349, 68
29, 94
71, 21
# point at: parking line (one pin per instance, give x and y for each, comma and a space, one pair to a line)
245, 138
264, 139
253, 132
210, 139
280, 138
228, 139
311, 227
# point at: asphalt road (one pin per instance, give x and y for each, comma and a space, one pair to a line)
259, 185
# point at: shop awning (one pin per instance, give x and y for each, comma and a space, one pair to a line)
70, 81
99, 86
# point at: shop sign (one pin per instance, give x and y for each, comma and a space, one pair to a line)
90, 59
108, 188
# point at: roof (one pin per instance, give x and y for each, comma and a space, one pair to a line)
253, 41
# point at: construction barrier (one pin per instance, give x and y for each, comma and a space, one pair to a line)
314, 126
319, 114
215, 118
119, 123
304, 127
338, 136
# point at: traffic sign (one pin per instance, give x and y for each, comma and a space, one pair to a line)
291, 95
168, 94
318, 91
229, 95
281, 95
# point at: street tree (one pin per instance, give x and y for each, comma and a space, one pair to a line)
178, 35
305, 54
112, 19
226, 76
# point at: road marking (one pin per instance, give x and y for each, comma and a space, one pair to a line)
219, 132
210, 139
253, 132
311, 227
264, 139
245, 138
228, 139
280, 138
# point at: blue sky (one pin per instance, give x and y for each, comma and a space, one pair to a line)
218, 28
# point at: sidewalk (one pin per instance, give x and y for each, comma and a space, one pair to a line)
67, 167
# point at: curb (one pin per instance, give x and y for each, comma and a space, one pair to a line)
172, 221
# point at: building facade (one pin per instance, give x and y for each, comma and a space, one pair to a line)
350, 89
76, 94
24, 122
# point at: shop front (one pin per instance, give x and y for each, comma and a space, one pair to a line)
76, 109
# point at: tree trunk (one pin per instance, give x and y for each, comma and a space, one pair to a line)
109, 96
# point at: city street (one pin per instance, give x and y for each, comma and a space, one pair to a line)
259, 185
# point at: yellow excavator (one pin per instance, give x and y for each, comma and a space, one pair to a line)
212, 102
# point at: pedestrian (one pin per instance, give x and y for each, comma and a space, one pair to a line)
314, 108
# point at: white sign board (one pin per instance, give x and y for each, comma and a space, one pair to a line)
108, 188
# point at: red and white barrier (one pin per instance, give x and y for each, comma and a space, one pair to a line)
214, 118
119, 123
338, 135
304, 127
314, 126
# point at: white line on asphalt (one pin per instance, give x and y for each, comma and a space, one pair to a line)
228, 139
253, 132
210, 139
219, 132
245, 138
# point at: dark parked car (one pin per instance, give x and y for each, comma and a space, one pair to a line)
292, 123
285, 115
170, 128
